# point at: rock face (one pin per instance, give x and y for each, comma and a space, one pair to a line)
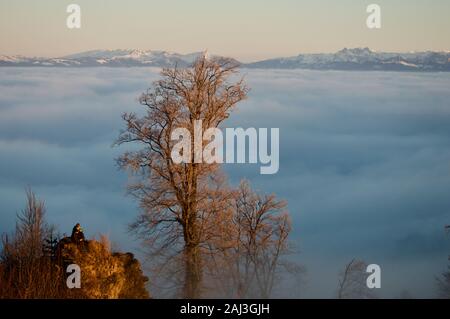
104, 274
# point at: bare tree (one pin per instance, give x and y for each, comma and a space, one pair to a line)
352, 282
24, 271
444, 284
31, 230
250, 252
444, 281
178, 201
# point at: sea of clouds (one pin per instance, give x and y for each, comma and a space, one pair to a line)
364, 162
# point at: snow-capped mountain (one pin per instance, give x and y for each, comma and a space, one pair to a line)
113, 58
361, 59
345, 59
133, 58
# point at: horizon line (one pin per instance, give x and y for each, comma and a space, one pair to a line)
199, 51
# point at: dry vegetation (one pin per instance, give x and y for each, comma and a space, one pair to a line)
27, 270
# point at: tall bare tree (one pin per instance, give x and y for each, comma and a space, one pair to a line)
178, 201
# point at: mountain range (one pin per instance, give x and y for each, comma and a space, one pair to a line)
345, 59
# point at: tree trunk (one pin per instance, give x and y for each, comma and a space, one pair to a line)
193, 263
193, 273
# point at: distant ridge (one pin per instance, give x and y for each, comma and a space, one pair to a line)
345, 59
361, 59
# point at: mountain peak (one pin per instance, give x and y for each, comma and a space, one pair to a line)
356, 51
360, 58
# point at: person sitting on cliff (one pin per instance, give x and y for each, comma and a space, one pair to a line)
77, 234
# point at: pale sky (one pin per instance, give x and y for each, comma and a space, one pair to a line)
244, 29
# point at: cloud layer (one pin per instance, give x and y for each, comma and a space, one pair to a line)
364, 161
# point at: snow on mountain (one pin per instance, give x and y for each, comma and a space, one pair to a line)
345, 59
105, 54
361, 59
124, 58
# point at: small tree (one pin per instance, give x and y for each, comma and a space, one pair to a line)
352, 282
25, 271
444, 281
444, 284
254, 239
